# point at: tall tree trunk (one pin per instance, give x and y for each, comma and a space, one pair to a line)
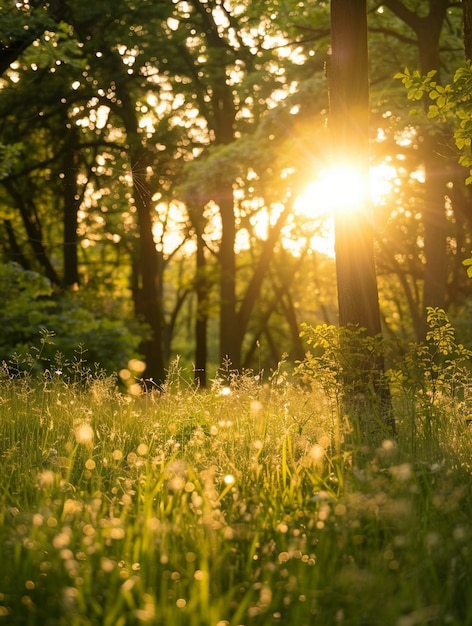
147, 266
201, 318
253, 290
222, 118
349, 122
434, 216
149, 302
34, 232
428, 31
435, 231
227, 258
467, 10
71, 209
354, 243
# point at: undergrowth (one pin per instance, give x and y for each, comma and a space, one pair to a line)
247, 504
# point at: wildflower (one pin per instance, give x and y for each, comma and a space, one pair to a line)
84, 434
46, 479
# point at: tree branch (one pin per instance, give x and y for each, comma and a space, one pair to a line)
406, 15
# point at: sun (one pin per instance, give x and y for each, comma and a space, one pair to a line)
341, 188
338, 188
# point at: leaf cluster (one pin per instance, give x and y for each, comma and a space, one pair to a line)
31, 306
450, 104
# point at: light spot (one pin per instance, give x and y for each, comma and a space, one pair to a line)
84, 434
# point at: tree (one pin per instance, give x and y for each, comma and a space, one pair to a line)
22, 24
467, 13
349, 121
428, 28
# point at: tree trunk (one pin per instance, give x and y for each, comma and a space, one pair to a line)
149, 302
201, 318
71, 209
355, 264
34, 232
148, 269
434, 216
227, 258
428, 31
221, 121
435, 232
349, 119
467, 10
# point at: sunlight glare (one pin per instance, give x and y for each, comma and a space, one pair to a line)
341, 188
338, 188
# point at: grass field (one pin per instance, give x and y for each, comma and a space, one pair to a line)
248, 504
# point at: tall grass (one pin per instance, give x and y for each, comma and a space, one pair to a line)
242, 505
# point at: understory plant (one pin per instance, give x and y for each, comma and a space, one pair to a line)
241, 505
428, 381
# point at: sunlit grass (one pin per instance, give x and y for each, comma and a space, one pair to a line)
241, 505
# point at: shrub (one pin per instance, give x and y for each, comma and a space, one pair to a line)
37, 322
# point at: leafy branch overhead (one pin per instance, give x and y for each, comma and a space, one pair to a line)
449, 104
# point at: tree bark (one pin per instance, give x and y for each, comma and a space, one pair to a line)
358, 300
71, 209
201, 318
34, 232
428, 32
349, 122
148, 269
149, 302
467, 12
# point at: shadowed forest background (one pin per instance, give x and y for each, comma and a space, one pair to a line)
160, 168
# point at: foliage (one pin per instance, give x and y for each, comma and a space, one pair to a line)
74, 328
434, 379
9, 157
451, 104
234, 506
430, 380
339, 354
99, 70
348, 364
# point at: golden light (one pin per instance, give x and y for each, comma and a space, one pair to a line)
341, 188
337, 188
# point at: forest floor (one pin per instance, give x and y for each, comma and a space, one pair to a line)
247, 504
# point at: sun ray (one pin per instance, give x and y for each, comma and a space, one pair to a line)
341, 188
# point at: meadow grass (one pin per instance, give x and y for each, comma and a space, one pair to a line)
247, 504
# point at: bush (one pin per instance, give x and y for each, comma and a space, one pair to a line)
61, 328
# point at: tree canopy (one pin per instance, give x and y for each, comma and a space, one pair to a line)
171, 158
